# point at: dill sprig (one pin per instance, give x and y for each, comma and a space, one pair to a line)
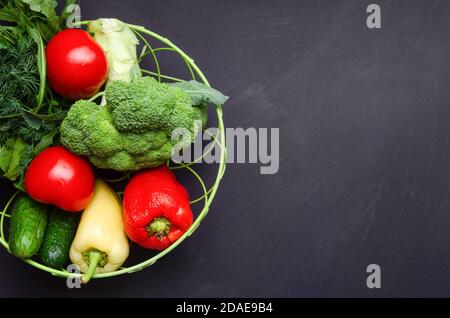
19, 75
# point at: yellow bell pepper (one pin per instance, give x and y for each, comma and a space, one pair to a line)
100, 245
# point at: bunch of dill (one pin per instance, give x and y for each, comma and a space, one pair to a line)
19, 85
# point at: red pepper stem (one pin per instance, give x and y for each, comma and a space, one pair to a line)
94, 259
159, 227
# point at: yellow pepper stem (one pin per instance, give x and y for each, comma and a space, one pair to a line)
94, 259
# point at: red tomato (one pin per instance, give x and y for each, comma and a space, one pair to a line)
57, 176
76, 64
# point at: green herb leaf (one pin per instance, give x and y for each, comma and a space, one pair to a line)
7, 15
5, 126
19, 184
38, 121
45, 142
201, 93
5, 157
42, 66
46, 7
58, 116
12, 160
32, 120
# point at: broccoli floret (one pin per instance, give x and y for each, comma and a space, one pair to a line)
107, 140
133, 130
145, 104
74, 127
139, 143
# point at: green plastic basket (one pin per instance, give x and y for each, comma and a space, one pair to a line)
208, 194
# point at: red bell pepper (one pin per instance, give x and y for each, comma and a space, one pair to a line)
156, 209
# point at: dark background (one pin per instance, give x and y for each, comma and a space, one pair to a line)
364, 170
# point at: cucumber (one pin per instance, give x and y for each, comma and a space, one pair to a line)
27, 227
58, 238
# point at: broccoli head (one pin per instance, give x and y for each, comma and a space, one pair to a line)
133, 130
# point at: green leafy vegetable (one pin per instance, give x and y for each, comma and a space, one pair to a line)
201, 93
32, 121
11, 157
56, 116
46, 7
38, 121
41, 65
119, 44
45, 142
7, 15
19, 75
6, 155
34, 14
20, 86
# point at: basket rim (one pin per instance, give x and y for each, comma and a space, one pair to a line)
208, 194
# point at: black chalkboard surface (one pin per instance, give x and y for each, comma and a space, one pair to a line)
364, 174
